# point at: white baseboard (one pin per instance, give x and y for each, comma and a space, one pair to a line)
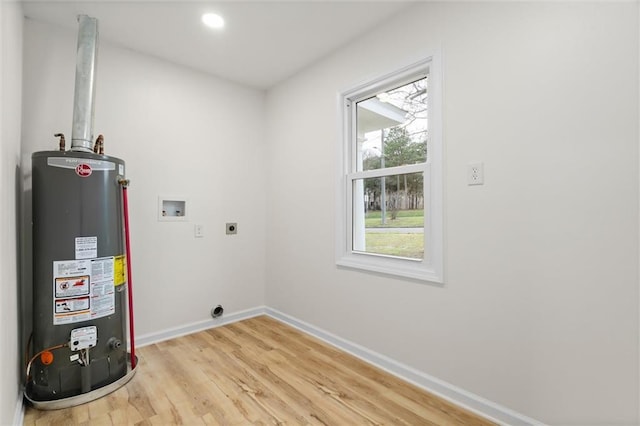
172, 333
18, 415
460, 397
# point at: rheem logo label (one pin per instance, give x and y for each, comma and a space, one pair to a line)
83, 170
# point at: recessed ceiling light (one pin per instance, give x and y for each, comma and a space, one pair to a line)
212, 20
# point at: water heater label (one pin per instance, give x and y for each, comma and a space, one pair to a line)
72, 286
76, 307
103, 299
74, 163
83, 290
86, 247
120, 270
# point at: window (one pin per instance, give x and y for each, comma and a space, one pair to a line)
390, 207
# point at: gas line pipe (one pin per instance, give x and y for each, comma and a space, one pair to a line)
125, 207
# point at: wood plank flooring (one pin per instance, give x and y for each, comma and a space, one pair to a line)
258, 372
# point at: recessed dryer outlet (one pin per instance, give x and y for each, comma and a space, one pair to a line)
232, 228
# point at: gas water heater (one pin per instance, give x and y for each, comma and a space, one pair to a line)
78, 347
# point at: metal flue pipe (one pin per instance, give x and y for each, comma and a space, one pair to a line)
84, 95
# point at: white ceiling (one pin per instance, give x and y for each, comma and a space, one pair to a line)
262, 44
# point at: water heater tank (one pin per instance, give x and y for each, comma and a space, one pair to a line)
79, 264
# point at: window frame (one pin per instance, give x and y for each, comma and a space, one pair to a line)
430, 267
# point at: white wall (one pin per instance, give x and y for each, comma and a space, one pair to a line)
539, 312
180, 132
10, 116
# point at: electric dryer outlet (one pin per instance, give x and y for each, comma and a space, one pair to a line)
232, 228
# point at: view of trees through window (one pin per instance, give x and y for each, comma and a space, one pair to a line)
392, 132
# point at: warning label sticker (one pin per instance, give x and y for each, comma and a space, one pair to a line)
83, 289
103, 300
75, 305
72, 286
120, 270
86, 247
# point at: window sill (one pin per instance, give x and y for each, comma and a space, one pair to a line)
402, 268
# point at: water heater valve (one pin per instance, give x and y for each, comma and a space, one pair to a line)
83, 338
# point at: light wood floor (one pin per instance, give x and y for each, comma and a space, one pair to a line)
258, 371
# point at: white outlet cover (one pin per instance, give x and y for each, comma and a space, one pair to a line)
475, 174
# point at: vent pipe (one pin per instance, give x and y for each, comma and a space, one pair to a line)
84, 96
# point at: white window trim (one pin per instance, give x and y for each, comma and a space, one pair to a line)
430, 268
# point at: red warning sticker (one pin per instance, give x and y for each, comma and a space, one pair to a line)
72, 286
83, 170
